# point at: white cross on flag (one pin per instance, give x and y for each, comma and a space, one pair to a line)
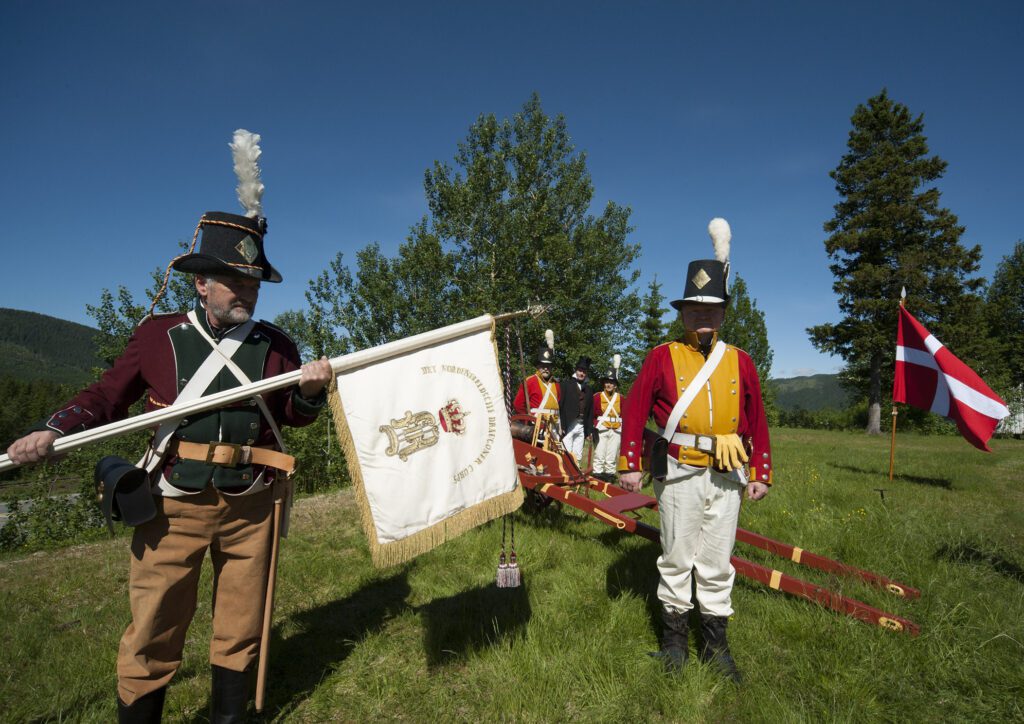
930, 377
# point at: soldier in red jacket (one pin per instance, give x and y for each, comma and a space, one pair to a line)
539, 394
213, 481
708, 395
608, 423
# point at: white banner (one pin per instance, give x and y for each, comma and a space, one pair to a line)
428, 444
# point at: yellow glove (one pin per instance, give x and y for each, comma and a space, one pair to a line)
729, 452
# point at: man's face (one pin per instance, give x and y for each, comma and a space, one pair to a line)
545, 372
581, 375
702, 318
229, 300
609, 386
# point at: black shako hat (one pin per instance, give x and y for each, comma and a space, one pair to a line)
123, 492
707, 280
609, 376
232, 245
546, 356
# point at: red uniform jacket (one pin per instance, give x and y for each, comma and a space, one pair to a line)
534, 395
657, 388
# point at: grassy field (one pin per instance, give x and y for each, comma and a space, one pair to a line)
436, 641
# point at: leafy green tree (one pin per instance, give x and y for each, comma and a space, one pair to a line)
889, 232
117, 318
508, 228
1005, 312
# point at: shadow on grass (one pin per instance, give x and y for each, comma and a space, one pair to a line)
916, 479
636, 572
472, 620
968, 554
325, 638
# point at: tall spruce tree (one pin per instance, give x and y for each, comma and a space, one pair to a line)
889, 232
652, 329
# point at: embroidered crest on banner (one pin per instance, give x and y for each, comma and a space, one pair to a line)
452, 417
247, 248
409, 434
700, 279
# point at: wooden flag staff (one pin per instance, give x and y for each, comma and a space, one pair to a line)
340, 364
344, 363
892, 441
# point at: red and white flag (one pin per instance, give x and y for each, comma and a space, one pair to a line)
930, 377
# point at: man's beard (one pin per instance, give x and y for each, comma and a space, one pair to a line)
230, 316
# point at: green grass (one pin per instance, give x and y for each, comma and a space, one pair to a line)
434, 640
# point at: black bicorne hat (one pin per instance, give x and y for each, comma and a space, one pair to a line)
707, 282
545, 357
231, 244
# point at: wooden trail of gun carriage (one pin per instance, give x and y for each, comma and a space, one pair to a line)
549, 473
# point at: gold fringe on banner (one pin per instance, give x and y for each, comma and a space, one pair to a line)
395, 552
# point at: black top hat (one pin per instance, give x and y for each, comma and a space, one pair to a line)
707, 282
583, 364
545, 357
232, 245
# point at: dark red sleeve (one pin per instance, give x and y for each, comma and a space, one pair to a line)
289, 407
755, 422
108, 399
636, 409
597, 406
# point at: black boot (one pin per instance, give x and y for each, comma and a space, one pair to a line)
675, 640
715, 647
229, 701
145, 710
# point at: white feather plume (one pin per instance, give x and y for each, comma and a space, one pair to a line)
245, 149
616, 361
721, 235
549, 337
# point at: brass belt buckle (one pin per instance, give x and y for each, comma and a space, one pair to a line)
237, 454
706, 444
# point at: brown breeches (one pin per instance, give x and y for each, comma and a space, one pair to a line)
167, 556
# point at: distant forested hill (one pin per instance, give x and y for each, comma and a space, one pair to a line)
813, 393
39, 347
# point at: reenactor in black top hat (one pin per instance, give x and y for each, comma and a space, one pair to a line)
576, 409
708, 395
608, 424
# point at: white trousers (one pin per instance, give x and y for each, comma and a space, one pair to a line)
606, 456
573, 442
699, 509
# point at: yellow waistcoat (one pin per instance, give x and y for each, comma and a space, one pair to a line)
715, 409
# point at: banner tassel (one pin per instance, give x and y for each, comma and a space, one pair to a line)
508, 575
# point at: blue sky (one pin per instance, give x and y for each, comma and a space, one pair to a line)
116, 119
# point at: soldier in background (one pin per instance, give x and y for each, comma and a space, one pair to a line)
539, 394
705, 397
576, 409
608, 424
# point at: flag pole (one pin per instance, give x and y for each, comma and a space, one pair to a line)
340, 364
892, 442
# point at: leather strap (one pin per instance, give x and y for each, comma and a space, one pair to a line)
229, 455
